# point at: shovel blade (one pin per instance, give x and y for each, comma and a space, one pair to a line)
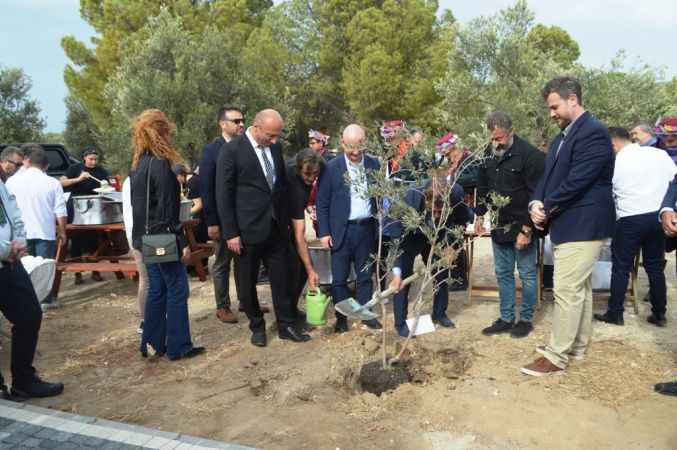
351, 308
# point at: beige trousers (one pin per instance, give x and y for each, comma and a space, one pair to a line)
572, 317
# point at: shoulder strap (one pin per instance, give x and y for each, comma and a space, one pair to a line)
150, 164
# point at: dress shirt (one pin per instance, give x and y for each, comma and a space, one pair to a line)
41, 201
262, 152
360, 206
127, 212
641, 178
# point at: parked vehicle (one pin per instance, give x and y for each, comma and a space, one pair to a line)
59, 158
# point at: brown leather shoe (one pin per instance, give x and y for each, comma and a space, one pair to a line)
541, 367
225, 315
265, 309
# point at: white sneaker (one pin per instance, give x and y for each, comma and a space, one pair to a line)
51, 304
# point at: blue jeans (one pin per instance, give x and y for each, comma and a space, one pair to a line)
632, 233
505, 258
357, 246
41, 247
165, 322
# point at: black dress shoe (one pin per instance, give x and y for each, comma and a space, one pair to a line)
36, 388
667, 388
659, 321
189, 354
444, 321
372, 324
403, 331
292, 334
259, 339
609, 318
521, 329
341, 325
499, 326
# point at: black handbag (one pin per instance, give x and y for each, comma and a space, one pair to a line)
161, 247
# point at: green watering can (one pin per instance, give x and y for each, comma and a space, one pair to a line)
316, 307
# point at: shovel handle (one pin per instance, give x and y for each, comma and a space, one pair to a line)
391, 291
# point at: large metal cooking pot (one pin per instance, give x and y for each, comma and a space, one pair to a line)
321, 258
96, 210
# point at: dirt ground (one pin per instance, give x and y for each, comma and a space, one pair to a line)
466, 390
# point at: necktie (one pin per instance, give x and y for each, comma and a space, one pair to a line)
269, 168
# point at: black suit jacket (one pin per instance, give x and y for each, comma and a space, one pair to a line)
210, 155
245, 203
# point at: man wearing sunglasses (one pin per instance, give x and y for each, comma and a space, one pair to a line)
231, 122
11, 160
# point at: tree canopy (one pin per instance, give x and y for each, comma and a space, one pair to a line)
20, 119
323, 63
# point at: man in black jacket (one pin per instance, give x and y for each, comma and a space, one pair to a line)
511, 169
231, 122
252, 207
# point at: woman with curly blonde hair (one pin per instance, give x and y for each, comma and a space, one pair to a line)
155, 195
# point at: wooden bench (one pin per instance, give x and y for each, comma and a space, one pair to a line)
128, 268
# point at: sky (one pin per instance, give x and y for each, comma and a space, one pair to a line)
31, 30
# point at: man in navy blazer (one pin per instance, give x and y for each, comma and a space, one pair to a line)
668, 217
346, 223
231, 122
574, 201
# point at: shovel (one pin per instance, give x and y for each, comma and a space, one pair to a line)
351, 308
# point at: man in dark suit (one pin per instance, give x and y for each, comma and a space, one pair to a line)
345, 220
251, 203
573, 199
231, 122
429, 202
668, 218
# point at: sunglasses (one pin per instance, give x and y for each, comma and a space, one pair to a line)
16, 164
236, 121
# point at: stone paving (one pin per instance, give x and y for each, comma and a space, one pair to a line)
28, 427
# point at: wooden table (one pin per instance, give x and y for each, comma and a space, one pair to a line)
492, 290
109, 257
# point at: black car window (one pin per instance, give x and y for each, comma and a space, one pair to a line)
56, 160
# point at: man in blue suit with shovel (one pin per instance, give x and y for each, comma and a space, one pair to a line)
345, 215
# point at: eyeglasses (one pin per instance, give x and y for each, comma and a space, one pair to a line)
236, 121
16, 164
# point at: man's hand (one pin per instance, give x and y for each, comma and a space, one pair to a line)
522, 241
313, 280
83, 175
479, 225
62, 237
234, 245
538, 216
395, 283
214, 232
669, 222
19, 248
326, 242
186, 256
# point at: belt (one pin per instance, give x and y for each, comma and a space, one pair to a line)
365, 221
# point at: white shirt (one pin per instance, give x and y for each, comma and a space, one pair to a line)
360, 206
260, 152
40, 199
127, 216
641, 179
